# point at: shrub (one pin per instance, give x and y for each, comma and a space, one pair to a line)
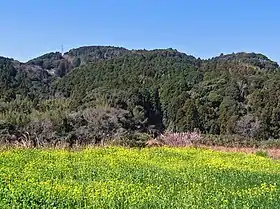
180, 139
271, 143
131, 140
262, 153
228, 141
95, 125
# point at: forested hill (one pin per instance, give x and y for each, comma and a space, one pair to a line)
34, 77
97, 92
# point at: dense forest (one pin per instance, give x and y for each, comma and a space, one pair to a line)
101, 93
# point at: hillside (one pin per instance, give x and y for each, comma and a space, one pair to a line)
92, 93
33, 78
59, 65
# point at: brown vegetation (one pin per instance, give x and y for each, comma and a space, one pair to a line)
272, 152
154, 143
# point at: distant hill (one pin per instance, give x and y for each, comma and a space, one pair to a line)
249, 60
147, 91
58, 64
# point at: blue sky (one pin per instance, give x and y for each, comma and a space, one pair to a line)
202, 28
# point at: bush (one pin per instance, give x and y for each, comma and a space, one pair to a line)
180, 139
271, 143
228, 141
95, 125
131, 140
262, 153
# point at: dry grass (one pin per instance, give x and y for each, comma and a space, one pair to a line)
272, 152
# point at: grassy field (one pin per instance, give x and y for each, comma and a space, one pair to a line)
132, 178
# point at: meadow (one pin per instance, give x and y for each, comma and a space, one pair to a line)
117, 177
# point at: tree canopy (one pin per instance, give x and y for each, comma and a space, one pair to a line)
147, 91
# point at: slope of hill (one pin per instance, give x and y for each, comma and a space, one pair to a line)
210, 95
33, 78
59, 65
124, 91
22, 79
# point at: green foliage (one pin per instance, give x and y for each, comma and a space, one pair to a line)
262, 153
88, 54
47, 61
188, 117
235, 94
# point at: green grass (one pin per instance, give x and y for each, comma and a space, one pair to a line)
132, 178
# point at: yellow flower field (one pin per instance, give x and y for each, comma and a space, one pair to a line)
137, 178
